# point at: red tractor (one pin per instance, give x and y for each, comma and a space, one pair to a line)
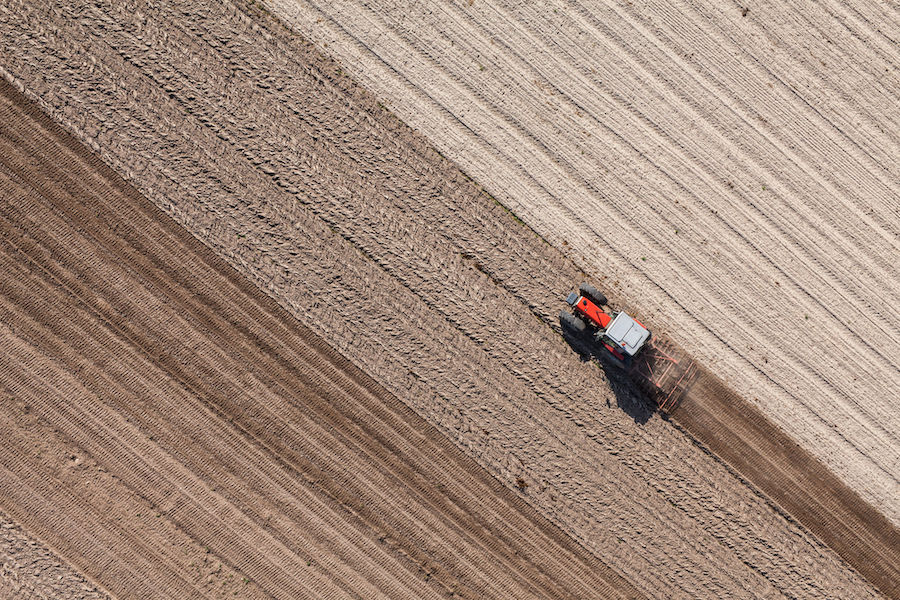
661, 369
623, 337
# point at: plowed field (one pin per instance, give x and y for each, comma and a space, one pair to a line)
156, 403
735, 168
226, 433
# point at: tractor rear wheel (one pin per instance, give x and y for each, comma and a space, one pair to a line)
592, 294
572, 322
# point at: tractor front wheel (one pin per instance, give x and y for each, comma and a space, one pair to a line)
592, 294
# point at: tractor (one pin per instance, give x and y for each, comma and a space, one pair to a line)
657, 366
621, 335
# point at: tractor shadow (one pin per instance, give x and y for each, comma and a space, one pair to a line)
629, 397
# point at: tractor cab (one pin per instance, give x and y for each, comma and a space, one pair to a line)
627, 334
657, 366
622, 335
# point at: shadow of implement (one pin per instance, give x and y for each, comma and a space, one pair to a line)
656, 380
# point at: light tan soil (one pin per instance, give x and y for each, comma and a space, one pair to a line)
264, 151
734, 166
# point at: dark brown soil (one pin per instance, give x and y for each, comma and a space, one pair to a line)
796, 481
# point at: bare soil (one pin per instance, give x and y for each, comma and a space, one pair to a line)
31, 571
163, 416
737, 432
292, 174
732, 166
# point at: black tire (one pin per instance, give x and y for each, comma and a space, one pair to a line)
592, 294
572, 322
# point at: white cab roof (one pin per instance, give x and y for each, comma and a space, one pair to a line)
628, 334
